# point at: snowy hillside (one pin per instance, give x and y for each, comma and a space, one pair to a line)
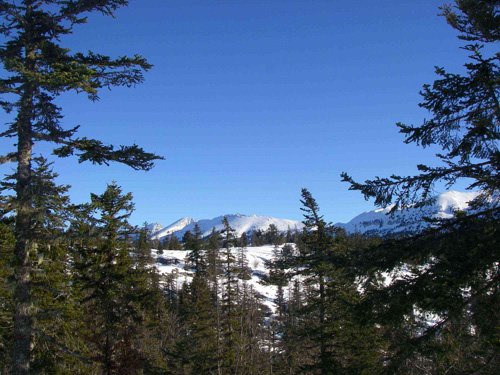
173, 261
240, 223
154, 227
373, 222
175, 227
378, 222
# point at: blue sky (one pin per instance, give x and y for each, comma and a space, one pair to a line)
249, 101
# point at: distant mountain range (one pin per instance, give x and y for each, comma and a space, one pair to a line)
376, 222
240, 223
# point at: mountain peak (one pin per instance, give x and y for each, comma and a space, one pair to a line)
172, 228
380, 222
239, 222
376, 222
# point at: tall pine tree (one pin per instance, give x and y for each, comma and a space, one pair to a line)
36, 70
451, 269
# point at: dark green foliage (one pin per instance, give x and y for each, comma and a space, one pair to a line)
113, 290
200, 342
213, 262
6, 308
451, 276
36, 70
257, 238
243, 241
334, 341
465, 118
81, 293
244, 272
450, 271
186, 239
195, 259
229, 299
278, 276
173, 243
57, 319
273, 236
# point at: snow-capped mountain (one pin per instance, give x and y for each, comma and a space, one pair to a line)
240, 223
175, 227
379, 222
154, 227
376, 222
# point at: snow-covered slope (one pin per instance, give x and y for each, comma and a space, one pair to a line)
240, 223
173, 262
154, 227
378, 222
172, 228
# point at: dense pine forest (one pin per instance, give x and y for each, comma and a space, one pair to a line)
81, 293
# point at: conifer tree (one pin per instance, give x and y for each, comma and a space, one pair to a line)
6, 308
173, 243
243, 270
337, 340
465, 118
57, 346
279, 278
213, 260
257, 238
229, 298
37, 69
243, 241
453, 267
187, 239
113, 288
201, 339
293, 340
272, 235
195, 258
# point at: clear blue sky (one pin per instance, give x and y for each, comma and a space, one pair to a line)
249, 101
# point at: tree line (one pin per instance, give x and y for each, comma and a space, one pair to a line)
259, 237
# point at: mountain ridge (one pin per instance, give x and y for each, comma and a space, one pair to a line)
374, 222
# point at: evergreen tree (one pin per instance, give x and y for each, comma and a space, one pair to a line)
249, 353
272, 235
213, 260
173, 243
257, 238
201, 339
195, 258
293, 339
113, 289
187, 240
278, 277
243, 242
6, 308
37, 69
57, 346
229, 300
244, 272
338, 342
160, 247
452, 269
465, 118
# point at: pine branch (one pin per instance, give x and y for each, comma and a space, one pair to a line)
97, 153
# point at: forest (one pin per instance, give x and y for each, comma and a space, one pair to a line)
80, 290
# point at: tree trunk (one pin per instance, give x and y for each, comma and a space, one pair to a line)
22, 266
